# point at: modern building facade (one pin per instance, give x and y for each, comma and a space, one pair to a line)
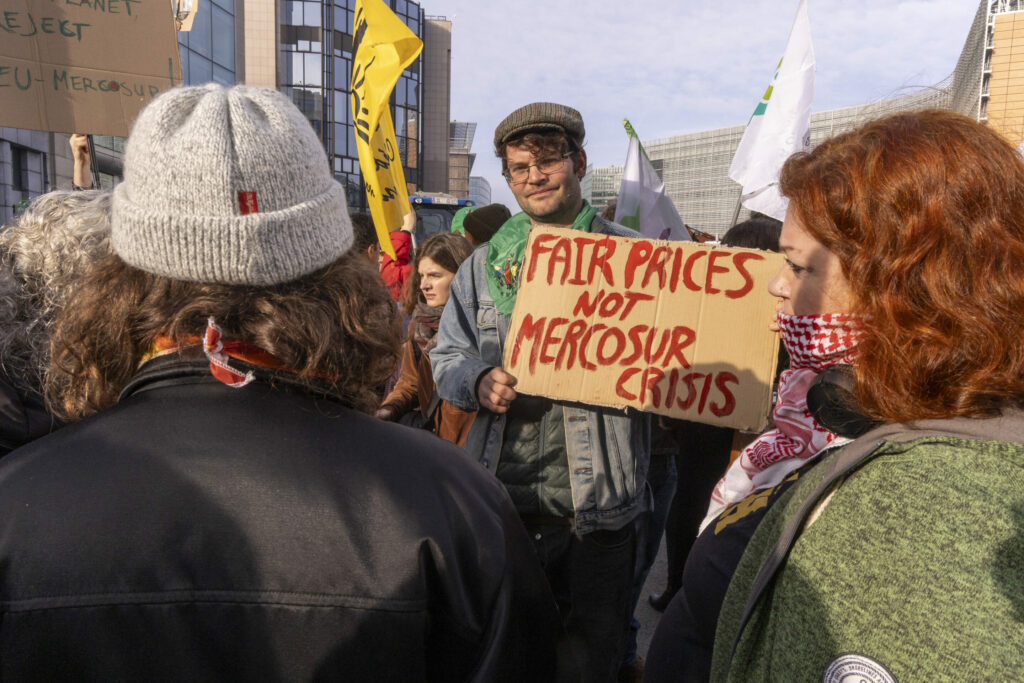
314, 67
436, 64
479, 190
603, 187
983, 85
460, 159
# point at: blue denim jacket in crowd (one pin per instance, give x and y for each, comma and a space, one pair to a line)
608, 449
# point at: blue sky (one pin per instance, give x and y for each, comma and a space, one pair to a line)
680, 66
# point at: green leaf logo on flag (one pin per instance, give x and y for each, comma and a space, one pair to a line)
762, 106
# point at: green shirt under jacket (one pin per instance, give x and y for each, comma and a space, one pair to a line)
910, 569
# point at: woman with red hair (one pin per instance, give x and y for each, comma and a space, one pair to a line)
901, 555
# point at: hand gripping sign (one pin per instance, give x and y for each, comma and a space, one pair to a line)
674, 328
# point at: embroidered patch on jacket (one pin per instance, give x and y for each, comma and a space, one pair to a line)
508, 275
854, 668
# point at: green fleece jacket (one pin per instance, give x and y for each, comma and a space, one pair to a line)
910, 568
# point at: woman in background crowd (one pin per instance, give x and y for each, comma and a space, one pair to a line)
434, 266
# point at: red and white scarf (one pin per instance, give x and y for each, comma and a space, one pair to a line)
219, 352
814, 342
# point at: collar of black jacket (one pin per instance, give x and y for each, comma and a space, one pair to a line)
176, 370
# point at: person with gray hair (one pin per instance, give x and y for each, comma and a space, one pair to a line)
43, 255
224, 509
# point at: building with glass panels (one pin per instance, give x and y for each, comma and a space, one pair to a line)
460, 159
603, 187
314, 66
479, 190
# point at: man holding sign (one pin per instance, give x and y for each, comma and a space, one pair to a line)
575, 472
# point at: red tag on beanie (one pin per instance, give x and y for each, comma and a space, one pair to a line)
247, 203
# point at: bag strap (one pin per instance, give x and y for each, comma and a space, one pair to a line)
852, 456
435, 401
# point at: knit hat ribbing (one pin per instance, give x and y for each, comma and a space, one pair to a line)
227, 185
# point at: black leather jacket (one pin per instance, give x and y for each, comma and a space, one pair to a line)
22, 414
199, 532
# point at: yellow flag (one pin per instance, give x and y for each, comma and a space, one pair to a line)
383, 47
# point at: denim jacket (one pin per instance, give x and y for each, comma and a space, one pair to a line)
608, 449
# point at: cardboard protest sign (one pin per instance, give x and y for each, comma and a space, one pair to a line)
674, 328
86, 66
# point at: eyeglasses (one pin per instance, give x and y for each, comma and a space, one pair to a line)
519, 174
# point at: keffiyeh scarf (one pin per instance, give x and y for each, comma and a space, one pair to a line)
814, 343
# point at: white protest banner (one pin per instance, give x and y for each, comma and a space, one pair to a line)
675, 328
86, 66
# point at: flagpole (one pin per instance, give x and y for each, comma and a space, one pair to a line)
736, 211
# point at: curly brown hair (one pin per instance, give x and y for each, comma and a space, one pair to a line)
925, 211
337, 322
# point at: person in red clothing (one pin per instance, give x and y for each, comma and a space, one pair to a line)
395, 272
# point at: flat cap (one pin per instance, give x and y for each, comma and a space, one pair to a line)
540, 116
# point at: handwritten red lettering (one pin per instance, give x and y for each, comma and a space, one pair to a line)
550, 339
603, 251
561, 254
540, 245
714, 269
583, 346
620, 343
688, 270
682, 337
638, 346
649, 384
656, 266
620, 388
739, 259
581, 244
533, 330
572, 338
638, 255
729, 401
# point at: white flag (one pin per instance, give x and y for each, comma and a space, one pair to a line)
780, 124
643, 204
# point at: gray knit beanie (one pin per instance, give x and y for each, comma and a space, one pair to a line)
227, 185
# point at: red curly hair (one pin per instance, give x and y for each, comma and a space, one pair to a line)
925, 211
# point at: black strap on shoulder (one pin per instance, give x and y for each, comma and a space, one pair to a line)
849, 458
435, 401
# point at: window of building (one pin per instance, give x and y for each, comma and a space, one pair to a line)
223, 49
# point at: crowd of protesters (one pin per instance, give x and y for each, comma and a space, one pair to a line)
202, 477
